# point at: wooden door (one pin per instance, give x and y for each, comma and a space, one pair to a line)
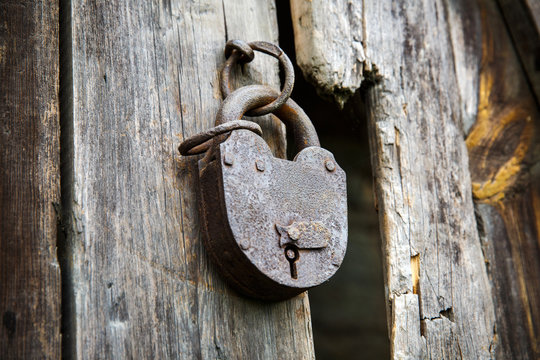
136, 78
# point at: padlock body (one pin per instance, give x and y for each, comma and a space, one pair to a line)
256, 206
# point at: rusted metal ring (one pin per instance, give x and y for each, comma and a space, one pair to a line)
269, 49
199, 143
241, 46
292, 115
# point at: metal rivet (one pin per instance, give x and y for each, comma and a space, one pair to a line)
330, 166
244, 244
228, 159
294, 234
260, 165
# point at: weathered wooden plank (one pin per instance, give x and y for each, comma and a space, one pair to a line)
504, 150
144, 78
417, 113
331, 57
30, 184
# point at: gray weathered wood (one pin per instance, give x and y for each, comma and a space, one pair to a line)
29, 181
145, 76
331, 57
421, 56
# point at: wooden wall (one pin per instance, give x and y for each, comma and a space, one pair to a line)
453, 122
145, 76
136, 78
450, 93
30, 180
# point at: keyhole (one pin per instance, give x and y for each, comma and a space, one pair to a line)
291, 253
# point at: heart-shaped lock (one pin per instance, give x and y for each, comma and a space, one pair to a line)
273, 227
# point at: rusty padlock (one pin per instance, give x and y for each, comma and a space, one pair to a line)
273, 227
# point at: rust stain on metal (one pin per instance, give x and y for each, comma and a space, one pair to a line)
273, 227
304, 235
242, 52
241, 203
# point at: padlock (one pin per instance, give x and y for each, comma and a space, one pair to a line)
273, 227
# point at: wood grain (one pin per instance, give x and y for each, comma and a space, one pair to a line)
145, 77
419, 103
331, 57
30, 181
504, 151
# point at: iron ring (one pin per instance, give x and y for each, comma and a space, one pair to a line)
269, 49
241, 46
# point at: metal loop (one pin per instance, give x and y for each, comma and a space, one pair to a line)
269, 49
199, 143
242, 47
292, 115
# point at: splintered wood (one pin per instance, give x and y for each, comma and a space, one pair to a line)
425, 83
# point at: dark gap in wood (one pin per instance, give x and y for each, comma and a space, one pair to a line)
225, 21
483, 237
448, 313
340, 330
423, 327
66, 181
518, 22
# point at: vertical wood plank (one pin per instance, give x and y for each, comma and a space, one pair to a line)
331, 57
30, 181
145, 76
504, 151
416, 91
423, 186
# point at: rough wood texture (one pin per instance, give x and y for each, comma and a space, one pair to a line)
331, 57
145, 77
504, 151
419, 55
30, 181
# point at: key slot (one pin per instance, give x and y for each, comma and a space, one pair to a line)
292, 255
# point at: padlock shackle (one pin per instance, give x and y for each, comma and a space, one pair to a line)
252, 96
